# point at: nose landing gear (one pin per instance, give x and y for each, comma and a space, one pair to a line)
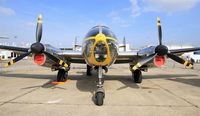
99, 94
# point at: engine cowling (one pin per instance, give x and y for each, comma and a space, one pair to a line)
39, 59
42, 60
159, 61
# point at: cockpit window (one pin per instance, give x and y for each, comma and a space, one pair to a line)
92, 32
88, 47
108, 33
113, 48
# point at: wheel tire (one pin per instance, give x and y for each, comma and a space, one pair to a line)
99, 97
61, 77
137, 76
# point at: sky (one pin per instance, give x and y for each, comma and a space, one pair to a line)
63, 20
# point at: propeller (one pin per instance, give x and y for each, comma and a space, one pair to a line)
38, 48
143, 61
161, 50
180, 60
39, 29
159, 31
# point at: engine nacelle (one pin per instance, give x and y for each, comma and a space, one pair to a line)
42, 60
147, 51
159, 61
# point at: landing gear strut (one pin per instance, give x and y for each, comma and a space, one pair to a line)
89, 69
100, 94
137, 76
62, 75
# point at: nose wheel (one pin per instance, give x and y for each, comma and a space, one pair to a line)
99, 97
99, 94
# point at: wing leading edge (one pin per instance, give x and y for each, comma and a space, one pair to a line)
13, 48
73, 56
126, 57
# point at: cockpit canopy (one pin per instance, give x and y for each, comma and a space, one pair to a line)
100, 29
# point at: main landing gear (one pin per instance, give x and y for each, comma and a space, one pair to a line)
137, 76
89, 70
99, 94
62, 75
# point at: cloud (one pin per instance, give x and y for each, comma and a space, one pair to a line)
7, 11
166, 6
135, 9
169, 6
117, 19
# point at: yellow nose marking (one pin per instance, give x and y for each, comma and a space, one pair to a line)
101, 37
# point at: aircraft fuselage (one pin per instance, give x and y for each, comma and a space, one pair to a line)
100, 47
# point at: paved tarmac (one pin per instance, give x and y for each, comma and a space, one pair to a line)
26, 90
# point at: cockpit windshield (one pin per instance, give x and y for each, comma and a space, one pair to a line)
93, 32
100, 29
107, 32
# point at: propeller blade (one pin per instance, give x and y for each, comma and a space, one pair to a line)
180, 60
11, 62
57, 60
143, 61
39, 29
159, 31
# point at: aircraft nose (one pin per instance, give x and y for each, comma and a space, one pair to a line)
100, 51
100, 37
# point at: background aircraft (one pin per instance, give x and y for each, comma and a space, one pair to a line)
99, 51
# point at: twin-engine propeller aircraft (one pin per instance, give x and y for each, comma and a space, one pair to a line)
100, 50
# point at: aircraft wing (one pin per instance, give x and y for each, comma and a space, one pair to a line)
13, 48
73, 56
126, 57
159, 52
177, 51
